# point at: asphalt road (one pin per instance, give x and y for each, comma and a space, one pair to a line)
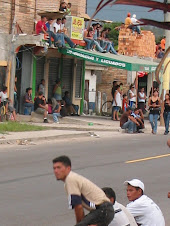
30, 194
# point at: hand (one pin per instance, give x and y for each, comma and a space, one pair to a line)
154, 105
137, 124
169, 195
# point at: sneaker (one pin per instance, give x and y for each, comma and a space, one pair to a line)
166, 133
104, 51
45, 120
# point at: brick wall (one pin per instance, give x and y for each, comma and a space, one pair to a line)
25, 12
133, 44
104, 83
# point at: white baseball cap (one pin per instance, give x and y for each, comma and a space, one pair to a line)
135, 183
134, 16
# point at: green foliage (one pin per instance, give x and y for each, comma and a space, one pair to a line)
19, 127
114, 34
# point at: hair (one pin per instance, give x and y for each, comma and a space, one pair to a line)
58, 19
69, 4
117, 87
64, 18
90, 29
93, 25
121, 84
42, 17
114, 82
131, 86
136, 109
50, 19
63, 159
129, 109
124, 95
137, 188
109, 193
42, 80
57, 80
40, 93
28, 89
4, 88
66, 92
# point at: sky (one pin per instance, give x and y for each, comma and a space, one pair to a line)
118, 13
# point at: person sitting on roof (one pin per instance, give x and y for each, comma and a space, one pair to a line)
56, 37
64, 31
57, 30
69, 9
128, 21
105, 43
63, 7
135, 22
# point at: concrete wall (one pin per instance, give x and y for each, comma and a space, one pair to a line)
4, 47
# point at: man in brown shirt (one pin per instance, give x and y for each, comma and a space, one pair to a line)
82, 193
128, 122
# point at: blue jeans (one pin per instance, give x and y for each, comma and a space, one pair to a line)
110, 48
68, 40
98, 47
153, 119
54, 36
131, 126
60, 37
55, 116
29, 105
136, 28
89, 43
166, 120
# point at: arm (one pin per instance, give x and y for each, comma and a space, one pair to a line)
43, 30
79, 213
115, 97
149, 103
159, 103
141, 114
134, 120
140, 121
55, 87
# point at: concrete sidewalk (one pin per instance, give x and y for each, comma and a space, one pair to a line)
69, 127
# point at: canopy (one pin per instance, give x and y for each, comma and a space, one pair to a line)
111, 60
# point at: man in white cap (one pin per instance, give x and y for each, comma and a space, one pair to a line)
144, 210
135, 22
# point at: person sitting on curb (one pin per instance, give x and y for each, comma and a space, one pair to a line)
122, 215
138, 115
28, 99
144, 209
41, 107
71, 108
128, 122
56, 108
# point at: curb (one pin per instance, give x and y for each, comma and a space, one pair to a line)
25, 141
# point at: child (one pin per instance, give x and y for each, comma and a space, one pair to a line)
125, 102
69, 9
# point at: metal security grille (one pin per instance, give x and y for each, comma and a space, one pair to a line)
39, 70
67, 75
53, 74
79, 71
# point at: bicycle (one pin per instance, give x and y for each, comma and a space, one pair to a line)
107, 108
3, 114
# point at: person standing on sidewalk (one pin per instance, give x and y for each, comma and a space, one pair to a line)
82, 193
166, 113
154, 107
141, 99
117, 103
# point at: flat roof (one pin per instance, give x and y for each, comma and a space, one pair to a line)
111, 60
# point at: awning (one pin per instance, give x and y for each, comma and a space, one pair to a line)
111, 60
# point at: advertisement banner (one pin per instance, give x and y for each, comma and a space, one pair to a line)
77, 28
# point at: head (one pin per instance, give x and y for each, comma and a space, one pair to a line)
58, 21
129, 110
125, 96
134, 16
142, 90
110, 194
90, 31
135, 189
29, 90
167, 96
44, 19
4, 89
114, 83
118, 88
69, 5
43, 82
63, 20
155, 93
129, 15
121, 84
108, 29
50, 20
40, 94
67, 93
136, 111
94, 26
61, 167
63, 5
58, 81
132, 87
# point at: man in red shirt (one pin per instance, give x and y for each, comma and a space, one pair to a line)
40, 26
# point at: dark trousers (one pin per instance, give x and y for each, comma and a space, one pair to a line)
101, 216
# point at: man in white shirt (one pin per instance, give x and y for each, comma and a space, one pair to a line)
144, 210
122, 216
135, 22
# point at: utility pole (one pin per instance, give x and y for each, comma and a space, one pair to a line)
10, 74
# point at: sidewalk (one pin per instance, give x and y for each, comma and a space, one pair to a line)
69, 127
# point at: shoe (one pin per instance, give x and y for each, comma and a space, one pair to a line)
74, 46
45, 120
104, 51
140, 131
166, 133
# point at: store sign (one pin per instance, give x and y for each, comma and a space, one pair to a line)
77, 28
